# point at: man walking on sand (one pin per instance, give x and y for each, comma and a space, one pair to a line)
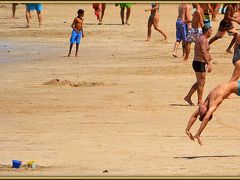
202, 58
212, 102
227, 26
122, 7
183, 23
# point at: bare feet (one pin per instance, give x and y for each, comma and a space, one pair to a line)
127, 23
40, 25
27, 26
189, 101
174, 54
14, 17
68, 55
76, 55
229, 51
198, 139
148, 39
184, 60
190, 135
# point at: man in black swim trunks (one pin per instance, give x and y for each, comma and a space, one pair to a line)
202, 58
227, 26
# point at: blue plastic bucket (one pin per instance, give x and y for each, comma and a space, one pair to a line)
16, 164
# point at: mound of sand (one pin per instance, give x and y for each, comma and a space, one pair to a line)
57, 82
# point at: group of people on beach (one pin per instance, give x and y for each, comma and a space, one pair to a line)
195, 28
199, 30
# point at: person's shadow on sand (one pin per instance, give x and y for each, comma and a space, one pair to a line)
215, 156
181, 105
107, 24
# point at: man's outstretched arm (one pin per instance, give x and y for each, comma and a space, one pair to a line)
204, 123
190, 123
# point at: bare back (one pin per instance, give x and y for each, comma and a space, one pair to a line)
181, 12
221, 92
197, 20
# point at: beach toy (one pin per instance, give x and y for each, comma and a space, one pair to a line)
16, 163
31, 164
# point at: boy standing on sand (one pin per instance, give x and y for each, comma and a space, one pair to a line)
77, 32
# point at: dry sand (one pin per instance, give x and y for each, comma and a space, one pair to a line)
117, 107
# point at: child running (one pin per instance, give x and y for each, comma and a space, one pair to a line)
77, 32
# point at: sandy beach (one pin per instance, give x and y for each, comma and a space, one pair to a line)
118, 108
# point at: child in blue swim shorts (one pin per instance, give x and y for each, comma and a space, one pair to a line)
77, 32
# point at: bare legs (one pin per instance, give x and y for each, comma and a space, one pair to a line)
127, 15
28, 16
236, 72
187, 49
176, 45
70, 50
230, 45
101, 12
39, 14
175, 48
213, 39
154, 21
14, 6
198, 86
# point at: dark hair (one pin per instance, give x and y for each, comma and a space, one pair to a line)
205, 28
80, 11
201, 117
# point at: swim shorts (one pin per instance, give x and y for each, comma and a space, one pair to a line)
193, 34
75, 37
127, 5
34, 6
225, 26
236, 56
206, 20
198, 66
181, 31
